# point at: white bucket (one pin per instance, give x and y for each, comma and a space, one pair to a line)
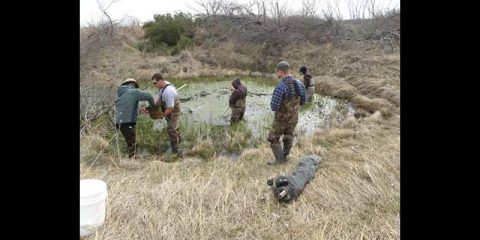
93, 196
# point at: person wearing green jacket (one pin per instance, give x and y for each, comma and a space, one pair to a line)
128, 97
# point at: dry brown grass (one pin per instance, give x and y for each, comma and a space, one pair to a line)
339, 88
126, 61
342, 73
373, 105
376, 88
93, 148
355, 194
335, 87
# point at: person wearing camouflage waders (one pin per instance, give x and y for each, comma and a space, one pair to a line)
127, 111
288, 95
237, 101
171, 108
308, 82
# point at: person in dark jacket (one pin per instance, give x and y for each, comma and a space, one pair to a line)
308, 82
126, 114
237, 101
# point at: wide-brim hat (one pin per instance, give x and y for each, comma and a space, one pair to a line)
130, 80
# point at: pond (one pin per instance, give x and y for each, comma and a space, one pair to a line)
205, 101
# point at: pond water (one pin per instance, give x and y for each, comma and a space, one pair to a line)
205, 101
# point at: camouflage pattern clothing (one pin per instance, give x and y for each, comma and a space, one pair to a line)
284, 122
237, 112
169, 99
172, 124
237, 101
286, 99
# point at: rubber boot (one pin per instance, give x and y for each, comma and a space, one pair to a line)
287, 145
278, 153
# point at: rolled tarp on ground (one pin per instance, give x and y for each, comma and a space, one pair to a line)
287, 188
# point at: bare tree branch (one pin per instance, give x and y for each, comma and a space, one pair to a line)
278, 11
309, 8
103, 6
210, 7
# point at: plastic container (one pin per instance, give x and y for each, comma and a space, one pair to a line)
93, 198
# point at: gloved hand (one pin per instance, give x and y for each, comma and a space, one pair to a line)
144, 110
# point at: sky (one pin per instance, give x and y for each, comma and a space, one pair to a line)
145, 9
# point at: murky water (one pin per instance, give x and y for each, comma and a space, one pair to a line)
207, 102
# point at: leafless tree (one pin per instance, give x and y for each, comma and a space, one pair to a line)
327, 11
309, 8
104, 6
278, 11
260, 9
98, 34
356, 8
96, 98
210, 7
371, 6
95, 101
231, 7
363, 8
332, 10
382, 8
